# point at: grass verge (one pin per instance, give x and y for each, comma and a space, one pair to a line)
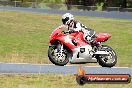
49, 81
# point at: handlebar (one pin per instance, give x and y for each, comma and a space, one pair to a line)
65, 32
69, 32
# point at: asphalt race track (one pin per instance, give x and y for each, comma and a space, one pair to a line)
112, 14
46, 68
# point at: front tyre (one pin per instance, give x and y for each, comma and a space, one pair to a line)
107, 60
57, 57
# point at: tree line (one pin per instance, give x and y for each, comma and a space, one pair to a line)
106, 3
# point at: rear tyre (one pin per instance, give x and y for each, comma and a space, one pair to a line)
55, 59
103, 59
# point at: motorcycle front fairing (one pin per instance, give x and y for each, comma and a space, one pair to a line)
75, 42
68, 40
55, 33
72, 40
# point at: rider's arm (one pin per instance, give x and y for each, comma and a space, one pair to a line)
78, 27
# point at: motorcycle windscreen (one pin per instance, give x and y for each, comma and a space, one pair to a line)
101, 37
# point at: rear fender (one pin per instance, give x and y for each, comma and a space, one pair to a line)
102, 37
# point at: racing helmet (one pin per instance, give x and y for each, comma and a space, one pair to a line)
66, 18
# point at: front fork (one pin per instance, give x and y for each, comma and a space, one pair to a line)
60, 48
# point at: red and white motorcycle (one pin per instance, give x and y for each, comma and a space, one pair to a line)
71, 47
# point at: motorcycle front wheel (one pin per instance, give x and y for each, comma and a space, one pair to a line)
57, 57
107, 60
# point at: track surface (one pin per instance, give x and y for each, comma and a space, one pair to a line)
34, 68
112, 14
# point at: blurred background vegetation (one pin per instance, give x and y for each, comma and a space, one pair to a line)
122, 5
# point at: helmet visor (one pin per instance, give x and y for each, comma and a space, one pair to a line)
65, 20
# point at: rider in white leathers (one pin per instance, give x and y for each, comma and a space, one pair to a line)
76, 26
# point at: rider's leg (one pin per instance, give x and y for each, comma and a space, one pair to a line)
95, 43
90, 37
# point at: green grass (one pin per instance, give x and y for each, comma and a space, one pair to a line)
24, 37
49, 81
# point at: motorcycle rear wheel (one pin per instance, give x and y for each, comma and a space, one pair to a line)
102, 59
